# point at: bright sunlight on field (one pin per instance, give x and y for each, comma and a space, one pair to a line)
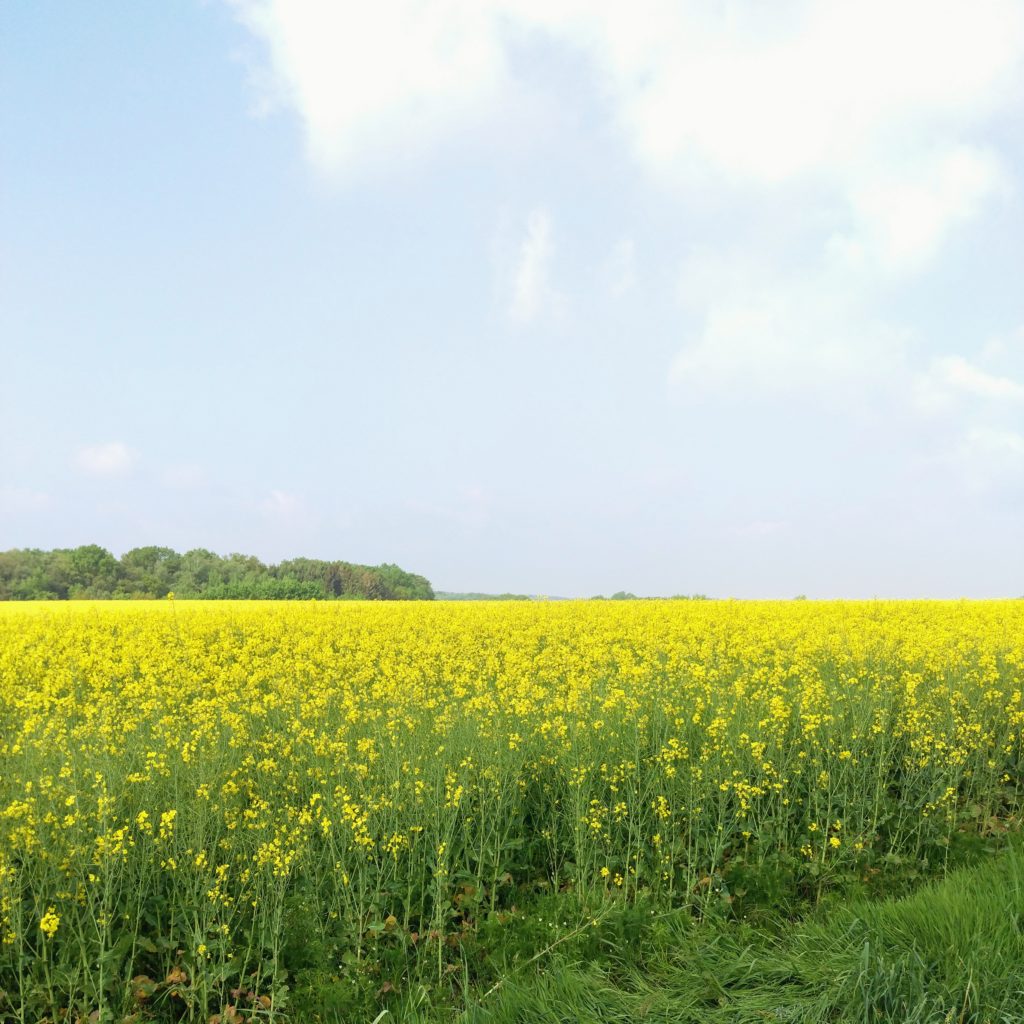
197, 795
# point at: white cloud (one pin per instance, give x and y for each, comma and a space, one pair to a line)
785, 336
862, 120
1009, 344
953, 377
114, 458
989, 458
849, 93
1001, 443
284, 507
901, 218
369, 80
824, 87
870, 104
532, 292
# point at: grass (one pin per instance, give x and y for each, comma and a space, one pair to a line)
953, 951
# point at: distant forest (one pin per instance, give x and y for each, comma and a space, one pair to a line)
90, 571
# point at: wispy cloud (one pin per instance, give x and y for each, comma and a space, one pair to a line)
284, 507
531, 288
952, 378
110, 459
786, 336
990, 459
901, 216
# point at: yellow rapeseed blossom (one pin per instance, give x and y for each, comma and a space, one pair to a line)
362, 751
50, 922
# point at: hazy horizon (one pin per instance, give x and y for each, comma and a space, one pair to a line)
564, 298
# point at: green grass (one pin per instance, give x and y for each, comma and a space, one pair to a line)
951, 952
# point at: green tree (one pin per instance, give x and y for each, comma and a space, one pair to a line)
150, 571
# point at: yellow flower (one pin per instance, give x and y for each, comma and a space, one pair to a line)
50, 922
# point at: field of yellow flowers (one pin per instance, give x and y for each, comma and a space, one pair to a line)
198, 798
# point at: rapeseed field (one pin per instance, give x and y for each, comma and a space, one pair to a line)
205, 805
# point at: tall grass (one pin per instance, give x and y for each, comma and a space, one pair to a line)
951, 952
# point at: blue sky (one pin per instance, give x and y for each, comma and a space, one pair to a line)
555, 297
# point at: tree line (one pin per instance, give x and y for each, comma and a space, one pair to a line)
90, 571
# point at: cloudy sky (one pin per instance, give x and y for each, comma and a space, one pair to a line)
557, 296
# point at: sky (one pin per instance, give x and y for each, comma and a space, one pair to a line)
562, 297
